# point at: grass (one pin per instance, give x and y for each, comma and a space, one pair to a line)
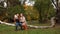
4, 29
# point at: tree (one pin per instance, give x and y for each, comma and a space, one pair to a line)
45, 9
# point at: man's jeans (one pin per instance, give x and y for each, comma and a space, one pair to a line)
18, 24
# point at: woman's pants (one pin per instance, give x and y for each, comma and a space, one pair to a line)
18, 24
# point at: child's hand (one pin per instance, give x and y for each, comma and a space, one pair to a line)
23, 23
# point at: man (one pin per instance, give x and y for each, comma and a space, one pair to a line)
16, 20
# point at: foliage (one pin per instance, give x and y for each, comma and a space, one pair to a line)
42, 10
2, 13
31, 13
13, 10
45, 9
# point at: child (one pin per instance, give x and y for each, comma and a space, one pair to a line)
23, 21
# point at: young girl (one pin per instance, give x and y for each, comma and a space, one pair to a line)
23, 21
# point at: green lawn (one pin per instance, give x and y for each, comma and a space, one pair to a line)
4, 29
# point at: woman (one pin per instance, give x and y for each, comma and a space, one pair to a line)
16, 20
23, 21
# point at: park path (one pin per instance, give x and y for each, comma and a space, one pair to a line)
32, 26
